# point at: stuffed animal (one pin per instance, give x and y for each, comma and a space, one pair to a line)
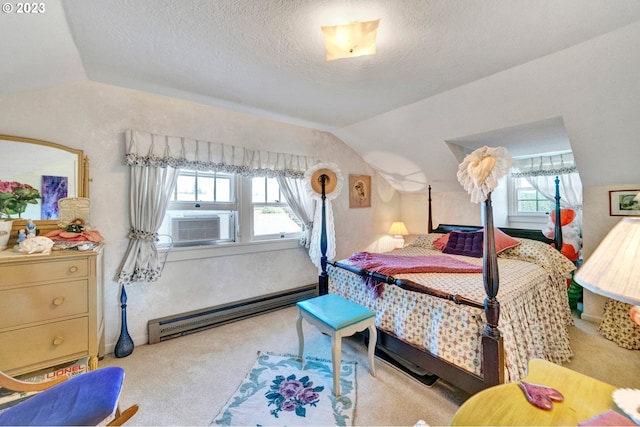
32, 245
571, 240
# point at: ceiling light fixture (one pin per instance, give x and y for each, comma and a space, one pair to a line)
350, 40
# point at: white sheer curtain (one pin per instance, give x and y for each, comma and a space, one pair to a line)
541, 172
155, 161
301, 204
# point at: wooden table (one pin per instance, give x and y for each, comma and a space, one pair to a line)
506, 404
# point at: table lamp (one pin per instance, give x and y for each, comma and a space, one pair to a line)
398, 229
613, 270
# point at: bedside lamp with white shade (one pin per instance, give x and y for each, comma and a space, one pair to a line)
398, 229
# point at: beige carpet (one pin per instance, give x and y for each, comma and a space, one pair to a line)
186, 381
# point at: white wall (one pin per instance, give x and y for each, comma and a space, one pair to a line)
447, 208
592, 86
93, 117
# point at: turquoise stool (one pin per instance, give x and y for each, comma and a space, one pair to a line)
337, 317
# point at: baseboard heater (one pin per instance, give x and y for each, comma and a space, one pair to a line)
169, 327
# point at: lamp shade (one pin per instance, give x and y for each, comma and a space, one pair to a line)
398, 229
350, 40
613, 270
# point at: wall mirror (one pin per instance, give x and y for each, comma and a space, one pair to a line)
43, 164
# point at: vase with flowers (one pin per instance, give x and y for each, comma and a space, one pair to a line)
14, 198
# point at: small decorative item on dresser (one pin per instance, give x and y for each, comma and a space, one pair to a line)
14, 198
31, 228
40, 244
22, 234
5, 233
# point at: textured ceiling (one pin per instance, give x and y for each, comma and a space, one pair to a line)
266, 57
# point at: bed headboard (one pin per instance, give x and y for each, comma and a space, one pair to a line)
513, 232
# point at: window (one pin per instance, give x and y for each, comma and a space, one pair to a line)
271, 215
206, 187
206, 208
526, 200
202, 209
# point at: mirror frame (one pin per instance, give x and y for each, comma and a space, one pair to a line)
46, 225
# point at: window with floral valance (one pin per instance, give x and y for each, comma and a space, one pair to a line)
541, 172
155, 162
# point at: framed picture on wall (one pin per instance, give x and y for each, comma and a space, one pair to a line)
359, 191
624, 203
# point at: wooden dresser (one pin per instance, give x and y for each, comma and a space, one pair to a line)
51, 309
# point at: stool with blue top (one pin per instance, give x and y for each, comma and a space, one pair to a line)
337, 317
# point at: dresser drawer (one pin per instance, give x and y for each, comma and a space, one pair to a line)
29, 346
32, 271
29, 304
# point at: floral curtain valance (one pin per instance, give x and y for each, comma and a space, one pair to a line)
541, 171
149, 149
559, 164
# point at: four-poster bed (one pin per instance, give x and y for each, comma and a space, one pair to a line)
447, 312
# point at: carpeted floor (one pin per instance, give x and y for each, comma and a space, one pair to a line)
188, 380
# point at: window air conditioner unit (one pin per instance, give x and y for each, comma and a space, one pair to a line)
186, 229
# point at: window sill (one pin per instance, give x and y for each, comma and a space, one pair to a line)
228, 249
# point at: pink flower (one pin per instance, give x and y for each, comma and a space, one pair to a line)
309, 395
14, 197
290, 388
288, 406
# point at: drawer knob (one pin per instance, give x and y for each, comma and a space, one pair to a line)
58, 340
73, 269
58, 301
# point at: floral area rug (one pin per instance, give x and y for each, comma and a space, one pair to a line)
287, 391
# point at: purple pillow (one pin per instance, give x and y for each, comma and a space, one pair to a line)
467, 243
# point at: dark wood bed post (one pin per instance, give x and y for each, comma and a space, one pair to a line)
493, 368
323, 279
557, 230
429, 220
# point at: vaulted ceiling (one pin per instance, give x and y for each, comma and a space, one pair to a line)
266, 57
